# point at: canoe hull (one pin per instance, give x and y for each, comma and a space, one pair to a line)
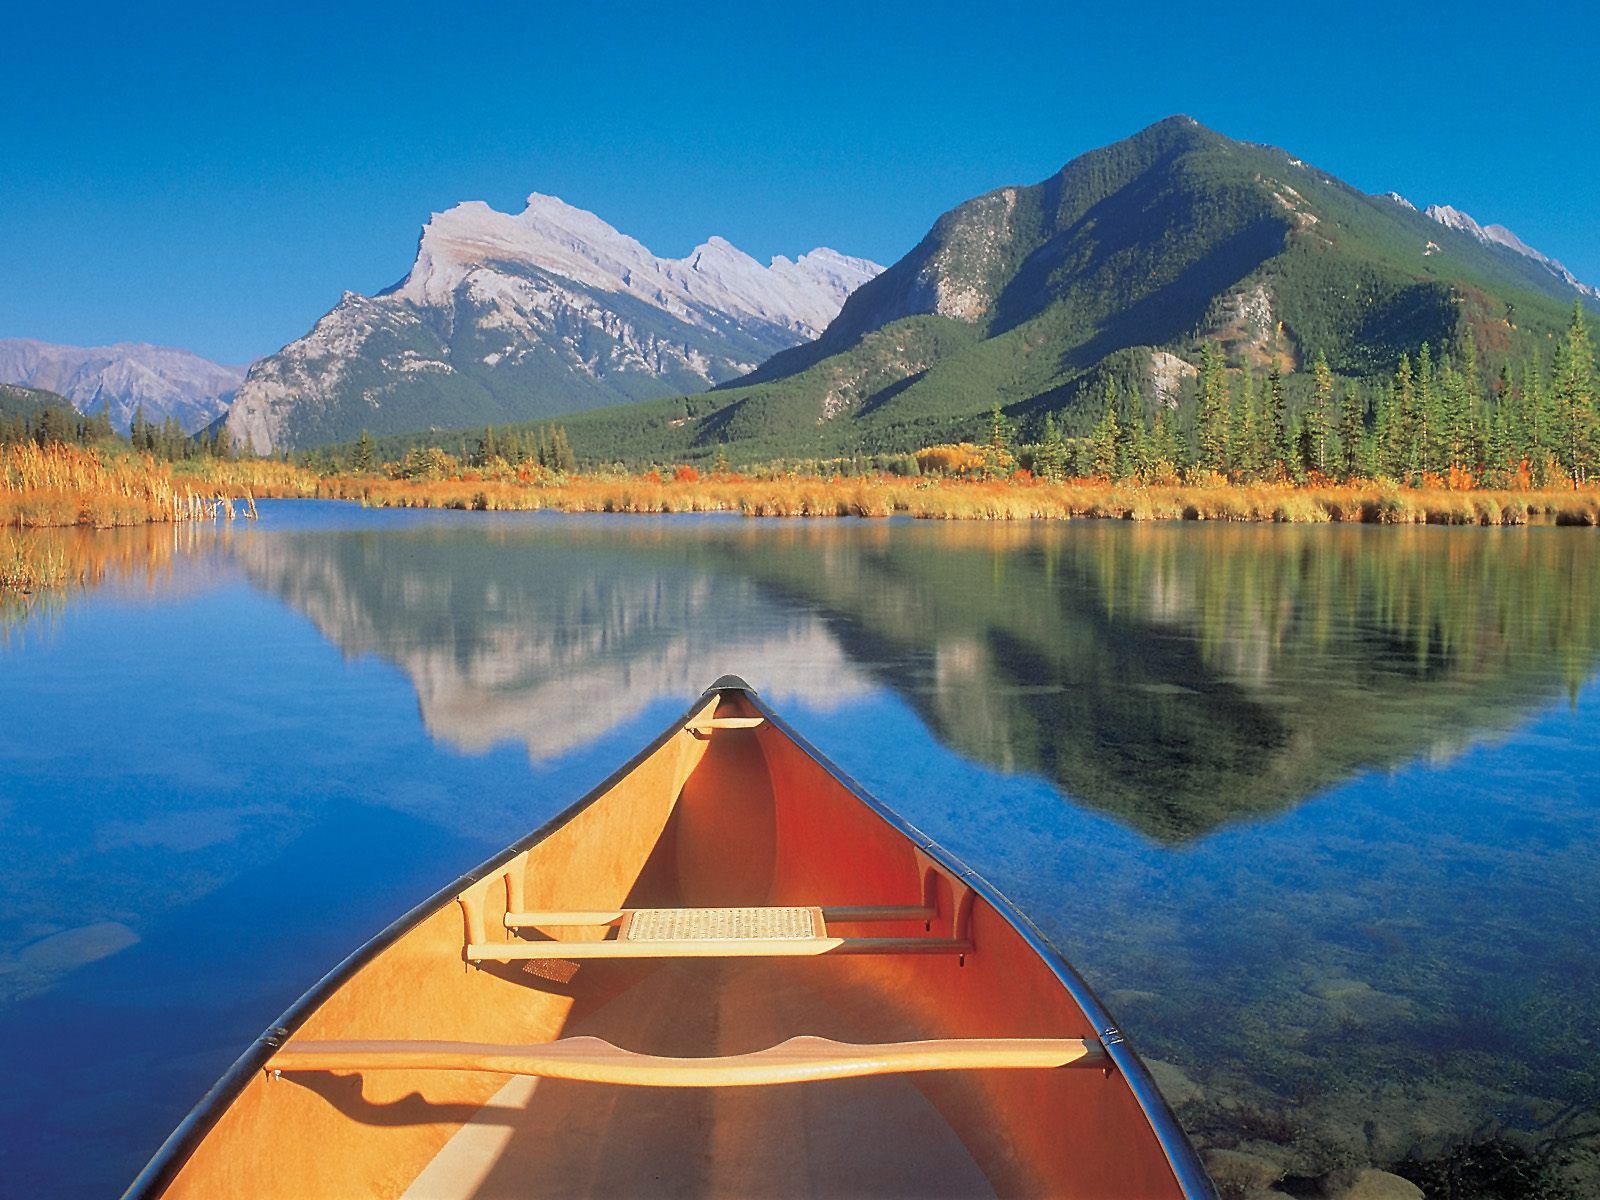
749, 816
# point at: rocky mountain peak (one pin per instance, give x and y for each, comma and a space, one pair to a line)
123, 377
520, 316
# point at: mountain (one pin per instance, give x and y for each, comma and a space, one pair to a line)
515, 317
1499, 235
1123, 261
119, 378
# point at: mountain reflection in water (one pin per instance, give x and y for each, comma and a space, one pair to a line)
1175, 677
1312, 806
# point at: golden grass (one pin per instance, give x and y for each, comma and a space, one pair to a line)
70, 485
999, 500
62, 485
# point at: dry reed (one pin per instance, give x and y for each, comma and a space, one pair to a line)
993, 500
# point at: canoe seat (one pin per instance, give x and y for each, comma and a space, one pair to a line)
594, 1060
753, 932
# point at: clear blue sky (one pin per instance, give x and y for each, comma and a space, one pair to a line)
213, 176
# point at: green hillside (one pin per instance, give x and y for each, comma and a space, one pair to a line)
22, 409
1025, 296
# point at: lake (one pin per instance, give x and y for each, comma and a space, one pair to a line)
1315, 809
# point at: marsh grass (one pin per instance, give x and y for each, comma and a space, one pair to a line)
64, 485
963, 500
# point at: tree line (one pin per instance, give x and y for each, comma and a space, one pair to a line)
52, 424
1435, 420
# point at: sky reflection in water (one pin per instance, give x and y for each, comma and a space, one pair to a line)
1313, 808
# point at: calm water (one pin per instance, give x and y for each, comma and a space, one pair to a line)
1316, 810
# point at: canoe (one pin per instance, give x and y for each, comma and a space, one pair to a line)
726, 971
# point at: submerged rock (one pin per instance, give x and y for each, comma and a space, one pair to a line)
1235, 1171
1371, 1184
1174, 1082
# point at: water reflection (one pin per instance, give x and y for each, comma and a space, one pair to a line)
1176, 677
552, 635
1313, 806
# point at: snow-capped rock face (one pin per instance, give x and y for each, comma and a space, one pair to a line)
120, 378
1499, 235
507, 317
552, 236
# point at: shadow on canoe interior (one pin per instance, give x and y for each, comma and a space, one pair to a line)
723, 973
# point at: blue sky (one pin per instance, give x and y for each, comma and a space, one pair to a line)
214, 176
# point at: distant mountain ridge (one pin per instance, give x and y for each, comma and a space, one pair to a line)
1123, 261
1499, 235
521, 316
120, 378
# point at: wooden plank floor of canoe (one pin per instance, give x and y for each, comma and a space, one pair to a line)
861, 1137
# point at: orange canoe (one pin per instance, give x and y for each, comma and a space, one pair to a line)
727, 971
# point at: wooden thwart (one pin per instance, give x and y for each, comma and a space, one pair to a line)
752, 932
715, 948
594, 1060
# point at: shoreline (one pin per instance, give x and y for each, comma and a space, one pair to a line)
878, 498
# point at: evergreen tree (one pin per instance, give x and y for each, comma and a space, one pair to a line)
1281, 446
1211, 423
1050, 460
140, 435
1314, 429
52, 427
1427, 424
562, 457
1396, 421
1535, 445
1244, 437
1134, 452
1352, 433
1107, 436
487, 449
1572, 394
1165, 457
361, 458
999, 459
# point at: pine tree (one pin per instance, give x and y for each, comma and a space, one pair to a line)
1244, 438
139, 432
1050, 460
1314, 429
1211, 423
1352, 433
1572, 394
1107, 436
1134, 449
561, 451
1535, 443
361, 459
1428, 423
1397, 423
1165, 456
1281, 448
999, 459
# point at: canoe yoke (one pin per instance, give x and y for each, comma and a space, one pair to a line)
594, 1060
745, 932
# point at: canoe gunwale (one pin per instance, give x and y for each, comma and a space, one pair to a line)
1186, 1166
175, 1151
